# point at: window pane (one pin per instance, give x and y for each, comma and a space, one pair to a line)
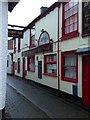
70, 72
66, 7
51, 68
71, 28
71, 20
75, 9
75, 26
67, 29
75, 2
66, 22
75, 18
71, 3
70, 60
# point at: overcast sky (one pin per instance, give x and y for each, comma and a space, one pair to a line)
26, 11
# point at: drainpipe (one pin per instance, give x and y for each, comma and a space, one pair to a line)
58, 49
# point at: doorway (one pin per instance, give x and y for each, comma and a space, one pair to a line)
86, 80
40, 69
23, 73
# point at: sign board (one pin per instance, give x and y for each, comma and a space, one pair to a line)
15, 33
39, 49
86, 18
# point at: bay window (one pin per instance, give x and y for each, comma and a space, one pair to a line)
69, 66
50, 65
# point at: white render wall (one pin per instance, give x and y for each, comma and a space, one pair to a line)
3, 51
48, 23
46, 80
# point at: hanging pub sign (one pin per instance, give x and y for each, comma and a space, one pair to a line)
86, 18
15, 33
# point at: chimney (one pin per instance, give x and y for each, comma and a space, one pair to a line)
43, 9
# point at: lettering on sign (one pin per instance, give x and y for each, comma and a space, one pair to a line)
15, 33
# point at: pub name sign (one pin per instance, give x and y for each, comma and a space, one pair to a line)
15, 33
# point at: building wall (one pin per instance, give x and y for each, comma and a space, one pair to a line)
48, 23
3, 51
46, 80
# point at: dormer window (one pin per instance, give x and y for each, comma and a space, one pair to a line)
44, 38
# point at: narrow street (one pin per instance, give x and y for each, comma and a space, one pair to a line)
25, 100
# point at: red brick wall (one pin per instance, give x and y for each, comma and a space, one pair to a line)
10, 44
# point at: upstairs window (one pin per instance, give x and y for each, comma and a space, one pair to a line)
32, 38
70, 18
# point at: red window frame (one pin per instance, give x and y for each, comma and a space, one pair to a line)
74, 33
63, 67
49, 62
18, 65
18, 44
15, 45
31, 45
28, 63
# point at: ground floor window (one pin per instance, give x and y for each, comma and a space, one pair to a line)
69, 66
18, 68
50, 65
31, 64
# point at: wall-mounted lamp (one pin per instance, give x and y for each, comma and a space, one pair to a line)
51, 40
42, 30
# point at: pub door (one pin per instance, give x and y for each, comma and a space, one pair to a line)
23, 71
86, 80
40, 69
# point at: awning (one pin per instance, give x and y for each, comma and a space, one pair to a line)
83, 50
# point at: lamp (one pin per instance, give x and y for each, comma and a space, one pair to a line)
51, 40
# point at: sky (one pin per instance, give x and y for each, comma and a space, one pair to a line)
26, 11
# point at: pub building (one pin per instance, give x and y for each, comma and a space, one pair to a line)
5, 6
55, 51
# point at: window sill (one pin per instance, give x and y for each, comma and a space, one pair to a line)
70, 35
69, 80
48, 74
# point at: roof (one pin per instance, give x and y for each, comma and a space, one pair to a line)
51, 8
12, 4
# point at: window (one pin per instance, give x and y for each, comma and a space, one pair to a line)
70, 18
18, 44
18, 65
31, 64
32, 38
14, 45
44, 38
50, 65
69, 66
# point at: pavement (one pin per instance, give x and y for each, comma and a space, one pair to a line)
40, 103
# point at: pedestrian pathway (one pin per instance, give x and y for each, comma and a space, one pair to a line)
53, 106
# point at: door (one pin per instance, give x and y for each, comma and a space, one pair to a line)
23, 73
86, 80
40, 69
13, 68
